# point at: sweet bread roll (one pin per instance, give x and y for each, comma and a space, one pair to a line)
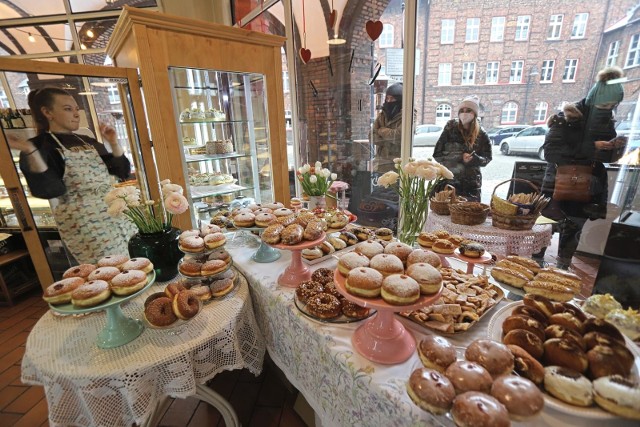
526, 366
443, 246
525, 340
531, 312
567, 307
550, 290
510, 277
313, 231
558, 331
604, 361
525, 262
561, 352
456, 239
604, 327
426, 240
292, 234
271, 234
505, 263
442, 234
552, 277
523, 322
567, 320
539, 302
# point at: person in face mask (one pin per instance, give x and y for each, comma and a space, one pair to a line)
464, 147
387, 130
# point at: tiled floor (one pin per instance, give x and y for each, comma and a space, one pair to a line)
258, 401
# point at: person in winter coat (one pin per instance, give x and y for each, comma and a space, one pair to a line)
581, 134
464, 147
387, 130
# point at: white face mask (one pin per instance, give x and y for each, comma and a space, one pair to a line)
465, 118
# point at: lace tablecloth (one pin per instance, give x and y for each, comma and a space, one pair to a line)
342, 387
89, 386
495, 240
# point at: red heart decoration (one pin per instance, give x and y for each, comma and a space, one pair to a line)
332, 18
374, 29
305, 54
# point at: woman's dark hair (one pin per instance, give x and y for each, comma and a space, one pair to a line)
44, 97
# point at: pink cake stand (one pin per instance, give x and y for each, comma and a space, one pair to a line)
383, 339
297, 272
471, 262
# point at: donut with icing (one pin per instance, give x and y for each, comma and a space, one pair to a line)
431, 390
436, 352
324, 306
468, 376
307, 289
568, 385
618, 395
322, 275
479, 410
526, 366
492, 355
312, 253
186, 305
522, 398
352, 310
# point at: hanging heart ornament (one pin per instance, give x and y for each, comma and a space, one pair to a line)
374, 29
305, 54
332, 18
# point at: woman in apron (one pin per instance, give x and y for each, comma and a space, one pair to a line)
76, 170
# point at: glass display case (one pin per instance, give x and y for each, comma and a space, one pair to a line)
222, 128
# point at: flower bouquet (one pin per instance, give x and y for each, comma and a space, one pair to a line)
315, 182
414, 183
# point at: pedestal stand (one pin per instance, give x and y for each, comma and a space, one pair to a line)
297, 272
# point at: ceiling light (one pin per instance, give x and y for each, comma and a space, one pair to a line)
87, 93
83, 46
102, 84
89, 33
336, 40
31, 38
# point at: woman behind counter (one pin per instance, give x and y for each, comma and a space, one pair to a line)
75, 169
464, 148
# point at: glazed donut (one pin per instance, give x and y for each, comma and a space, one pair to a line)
139, 263
324, 306
271, 234
400, 289
351, 260
128, 282
431, 390
510, 277
307, 289
426, 240
492, 355
525, 262
618, 395
91, 293
190, 267
529, 341
559, 331
83, 271
364, 282
186, 305
471, 249
519, 321
604, 327
330, 288
551, 290
423, 255
384, 234
568, 386
60, 291
369, 248
202, 292
568, 320
313, 230
539, 302
526, 366
322, 276
526, 310
173, 289
353, 310
520, 396
468, 376
479, 410
264, 219
337, 243
387, 264
214, 240
510, 265
312, 253
436, 352
327, 248
349, 238
191, 244
604, 361
104, 273
244, 219
443, 246
292, 234
213, 267
159, 312
562, 352
112, 261
221, 287
427, 276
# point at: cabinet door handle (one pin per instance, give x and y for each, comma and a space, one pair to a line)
18, 209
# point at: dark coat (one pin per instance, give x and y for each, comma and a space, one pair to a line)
467, 178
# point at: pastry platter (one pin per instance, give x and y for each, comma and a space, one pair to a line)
175, 325
339, 319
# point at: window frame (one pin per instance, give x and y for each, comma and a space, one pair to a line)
511, 72
536, 113
497, 25
635, 51
442, 72
612, 53
522, 28
497, 73
508, 111
567, 67
546, 71
555, 26
450, 31
470, 28
386, 34
577, 24
470, 69
446, 108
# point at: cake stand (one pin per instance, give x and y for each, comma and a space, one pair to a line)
297, 272
265, 253
471, 262
383, 339
119, 329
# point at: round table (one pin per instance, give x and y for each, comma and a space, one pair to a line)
496, 240
89, 386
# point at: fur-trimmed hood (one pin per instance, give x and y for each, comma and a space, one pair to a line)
570, 113
609, 73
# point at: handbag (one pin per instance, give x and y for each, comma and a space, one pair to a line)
573, 183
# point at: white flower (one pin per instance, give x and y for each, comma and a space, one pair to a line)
300, 170
410, 168
445, 172
326, 173
306, 168
171, 188
165, 182
426, 172
318, 165
397, 160
149, 203
313, 179
116, 193
389, 178
116, 207
176, 203
334, 176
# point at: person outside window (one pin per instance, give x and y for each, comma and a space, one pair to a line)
387, 130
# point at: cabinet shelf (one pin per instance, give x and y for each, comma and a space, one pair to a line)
202, 191
196, 122
191, 158
196, 87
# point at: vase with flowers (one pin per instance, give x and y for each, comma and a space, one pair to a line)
156, 238
315, 181
414, 182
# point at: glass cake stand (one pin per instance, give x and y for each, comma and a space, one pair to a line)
265, 253
297, 272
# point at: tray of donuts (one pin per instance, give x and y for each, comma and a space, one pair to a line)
87, 286
199, 241
318, 299
527, 276
293, 229
444, 243
473, 386
209, 264
225, 218
584, 364
337, 243
464, 301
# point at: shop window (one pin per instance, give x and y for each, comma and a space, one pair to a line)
509, 113
540, 113
522, 27
444, 74
4, 101
473, 30
443, 114
579, 25
468, 73
516, 72
114, 96
613, 52
285, 82
497, 29
546, 75
633, 55
555, 27
447, 32
386, 38
493, 69
570, 67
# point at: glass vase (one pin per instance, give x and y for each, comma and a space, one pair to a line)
162, 250
412, 216
319, 202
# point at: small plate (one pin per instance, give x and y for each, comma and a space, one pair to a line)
177, 324
486, 257
340, 319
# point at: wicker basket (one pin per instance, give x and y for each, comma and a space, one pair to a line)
469, 213
442, 208
513, 222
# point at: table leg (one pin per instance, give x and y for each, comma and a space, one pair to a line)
205, 394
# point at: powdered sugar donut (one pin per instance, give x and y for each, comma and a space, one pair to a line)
387, 264
139, 263
209, 229
262, 210
82, 270
91, 293
104, 273
191, 244
60, 292
189, 233
264, 219
113, 261
400, 289
128, 282
399, 249
214, 240
244, 219
282, 212
369, 248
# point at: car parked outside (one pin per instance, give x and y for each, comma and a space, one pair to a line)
427, 135
527, 141
499, 133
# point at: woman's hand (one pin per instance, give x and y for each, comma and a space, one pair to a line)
604, 145
17, 143
109, 133
467, 157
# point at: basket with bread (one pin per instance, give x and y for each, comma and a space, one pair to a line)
469, 213
520, 211
441, 200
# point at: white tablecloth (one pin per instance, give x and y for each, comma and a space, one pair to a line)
342, 387
89, 386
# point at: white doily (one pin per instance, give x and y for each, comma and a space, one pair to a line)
89, 386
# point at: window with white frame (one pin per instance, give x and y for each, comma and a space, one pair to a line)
285, 81
4, 101
546, 74
443, 113
114, 96
444, 74
515, 75
497, 29
579, 25
386, 37
493, 69
509, 113
613, 52
540, 113
473, 30
522, 27
555, 27
468, 73
447, 31
633, 54
570, 67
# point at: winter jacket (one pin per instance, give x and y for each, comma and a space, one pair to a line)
386, 137
467, 178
